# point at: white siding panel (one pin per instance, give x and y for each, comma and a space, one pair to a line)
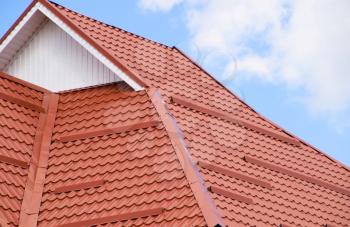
54, 60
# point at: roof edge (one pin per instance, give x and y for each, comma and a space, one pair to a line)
262, 116
38, 164
24, 83
19, 19
195, 180
126, 73
122, 66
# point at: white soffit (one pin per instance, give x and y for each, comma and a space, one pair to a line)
31, 21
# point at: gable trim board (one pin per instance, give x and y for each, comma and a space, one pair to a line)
69, 65
96, 50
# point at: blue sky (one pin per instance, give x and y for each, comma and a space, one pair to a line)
288, 59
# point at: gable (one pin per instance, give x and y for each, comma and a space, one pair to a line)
30, 50
54, 60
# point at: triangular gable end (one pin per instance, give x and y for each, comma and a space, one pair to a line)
45, 50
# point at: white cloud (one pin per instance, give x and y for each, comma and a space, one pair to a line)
315, 52
159, 5
304, 44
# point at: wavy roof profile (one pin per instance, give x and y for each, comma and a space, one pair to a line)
184, 151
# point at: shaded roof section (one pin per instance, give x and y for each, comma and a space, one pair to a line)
35, 15
119, 157
19, 117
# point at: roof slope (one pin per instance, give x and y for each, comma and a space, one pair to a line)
18, 129
224, 143
133, 170
114, 160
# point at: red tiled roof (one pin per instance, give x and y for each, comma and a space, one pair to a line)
190, 154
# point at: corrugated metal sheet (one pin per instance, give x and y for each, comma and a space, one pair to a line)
54, 60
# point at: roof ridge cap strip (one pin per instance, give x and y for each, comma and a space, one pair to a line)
104, 51
234, 174
21, 102
115, 218
233, 119
195, 180
297, 175
23, 82
38, 166
108, 131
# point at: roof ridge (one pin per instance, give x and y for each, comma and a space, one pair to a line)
113, 26
119, 63
262, 116
34, 185
194, 178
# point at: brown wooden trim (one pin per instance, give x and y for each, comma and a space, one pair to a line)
14, 161
200, 192
38, 166
230, 194
115, 218
21, 102
234, 174
296, 175
108, 131
104, 51
81, 186
24, 83
233, 119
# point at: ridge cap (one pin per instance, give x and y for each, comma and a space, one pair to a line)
34, 186
196, 182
